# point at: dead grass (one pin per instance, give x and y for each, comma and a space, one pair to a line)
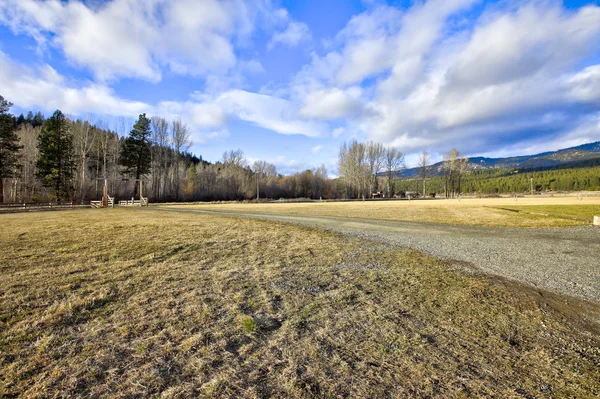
135, 303
480, 212
584, 211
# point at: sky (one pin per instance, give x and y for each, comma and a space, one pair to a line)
288, 81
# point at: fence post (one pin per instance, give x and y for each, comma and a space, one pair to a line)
596, 221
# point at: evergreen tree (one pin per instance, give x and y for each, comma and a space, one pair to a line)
38, 120
9, 145
135, 154
192, 172
56, 162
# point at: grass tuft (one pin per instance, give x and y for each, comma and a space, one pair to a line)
249, 324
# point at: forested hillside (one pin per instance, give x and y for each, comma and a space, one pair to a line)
573, 156
582, 176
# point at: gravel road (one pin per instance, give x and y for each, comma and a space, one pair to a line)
565, 260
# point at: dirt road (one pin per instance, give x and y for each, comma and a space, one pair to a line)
565, 260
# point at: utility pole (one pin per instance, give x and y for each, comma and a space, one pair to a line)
531, 184
257, 188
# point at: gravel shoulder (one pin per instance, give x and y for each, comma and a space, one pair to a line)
562, 260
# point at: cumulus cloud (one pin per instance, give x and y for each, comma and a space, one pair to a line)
436, 84
128, 38
44, 87
585, 85
437, 74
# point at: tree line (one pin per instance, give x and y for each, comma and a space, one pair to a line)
63, 159
57, 158
368, 169
505, 181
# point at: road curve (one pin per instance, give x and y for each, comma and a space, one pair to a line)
565, 260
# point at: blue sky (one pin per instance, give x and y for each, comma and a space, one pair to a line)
289, 81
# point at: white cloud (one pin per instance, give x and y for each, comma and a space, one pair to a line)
295, 33
128, 38
382, 39
415, 77
585, 85
316, 149
207, 115
205, 137
486, 85
427, 80
333, 103
204, 115
338, 131
268, 112
45, 88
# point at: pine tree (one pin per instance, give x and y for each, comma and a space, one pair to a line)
56, 162
38, 120
192, 172
9, 145
135, 154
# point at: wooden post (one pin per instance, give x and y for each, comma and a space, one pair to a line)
596, 221
105, 195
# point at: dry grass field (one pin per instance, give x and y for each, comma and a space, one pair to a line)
585, 211
135, 303
484, 212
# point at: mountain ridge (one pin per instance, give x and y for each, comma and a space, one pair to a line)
546, 159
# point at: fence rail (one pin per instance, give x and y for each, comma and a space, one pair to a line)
25, 206
142, 202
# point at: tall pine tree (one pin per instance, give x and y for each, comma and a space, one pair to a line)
135, 153
56, 161
9, 145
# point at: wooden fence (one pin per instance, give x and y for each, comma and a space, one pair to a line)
29, 206
142, 202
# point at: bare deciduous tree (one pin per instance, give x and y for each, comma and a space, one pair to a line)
454, 168
28, 138
394, 161
424, 169
180, 136
160, 162
260, 168
375, 153
83, 138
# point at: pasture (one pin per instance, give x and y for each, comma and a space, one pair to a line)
474, 212
144, 303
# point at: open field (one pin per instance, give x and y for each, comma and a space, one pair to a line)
474, 212
559, 259
144, 303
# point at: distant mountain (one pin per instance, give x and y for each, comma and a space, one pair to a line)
543, 160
